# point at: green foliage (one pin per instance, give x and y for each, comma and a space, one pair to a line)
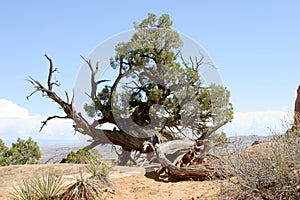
221, 106
47, 186
159, 74
24, 152
83, 156
21, 152
4, 158
90, 110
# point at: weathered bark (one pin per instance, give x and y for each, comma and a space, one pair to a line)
170, 172
132, 141
139, 139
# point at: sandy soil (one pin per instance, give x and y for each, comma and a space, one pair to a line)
129, 182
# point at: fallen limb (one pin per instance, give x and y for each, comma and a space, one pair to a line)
170, 172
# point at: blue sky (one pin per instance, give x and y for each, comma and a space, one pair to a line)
254, 44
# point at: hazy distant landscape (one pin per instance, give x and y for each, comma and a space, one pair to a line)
54, 152
57, 153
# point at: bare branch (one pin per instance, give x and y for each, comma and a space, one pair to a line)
93, 144
94, 84
95, 124
51, 71
73, 96
67, 96
215, 128
32, 93
138, 139
50, 118
38, 87
51, 94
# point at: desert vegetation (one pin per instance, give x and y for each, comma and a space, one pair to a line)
269, 170
87, 184
83, 156
158, 74
152, 70
21, 152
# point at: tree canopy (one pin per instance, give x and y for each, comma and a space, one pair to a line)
158, 102
24, 152
4, 155
156, 85
21, 152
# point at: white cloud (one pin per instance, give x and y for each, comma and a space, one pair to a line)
15, 121
10, 110
258, 123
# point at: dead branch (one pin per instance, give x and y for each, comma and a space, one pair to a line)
215, 128
44, 123
173, 173
139, 139
132, 141
94, 84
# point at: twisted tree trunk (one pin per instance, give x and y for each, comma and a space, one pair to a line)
140, 139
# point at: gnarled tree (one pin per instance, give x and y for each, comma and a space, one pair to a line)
157, 101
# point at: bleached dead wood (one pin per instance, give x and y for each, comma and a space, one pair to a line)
174, 173
140, 139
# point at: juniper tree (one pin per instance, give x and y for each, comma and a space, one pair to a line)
157, 89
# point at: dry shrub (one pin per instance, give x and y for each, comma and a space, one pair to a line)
89, 187
83, 188
100, 171
269, 170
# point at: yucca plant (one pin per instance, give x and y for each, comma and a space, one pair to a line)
48, 186
44, 187
24, 191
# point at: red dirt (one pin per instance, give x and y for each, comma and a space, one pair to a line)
130, 183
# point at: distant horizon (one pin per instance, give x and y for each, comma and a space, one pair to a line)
61, 130
50, 143
254, 45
